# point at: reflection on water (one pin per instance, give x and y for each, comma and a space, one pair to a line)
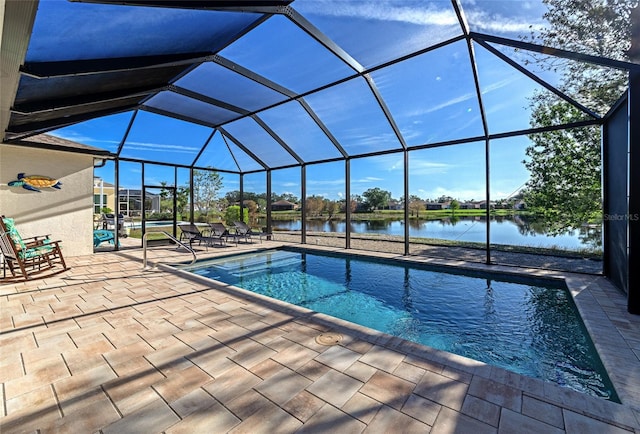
510, 230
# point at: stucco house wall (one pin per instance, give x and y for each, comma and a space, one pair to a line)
66, 214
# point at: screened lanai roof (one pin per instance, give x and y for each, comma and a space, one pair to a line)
244, 86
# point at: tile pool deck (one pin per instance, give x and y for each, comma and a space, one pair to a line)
107, 347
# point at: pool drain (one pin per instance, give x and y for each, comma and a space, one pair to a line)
329, 338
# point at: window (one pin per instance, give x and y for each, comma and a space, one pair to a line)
97, 205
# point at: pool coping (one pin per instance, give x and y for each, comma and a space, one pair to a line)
595, 297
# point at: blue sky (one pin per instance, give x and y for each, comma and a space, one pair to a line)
431, 97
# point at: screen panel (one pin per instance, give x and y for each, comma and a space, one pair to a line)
230, 87
255, 138
105, 132
354, 117
447, 202
163, 139
431, 98
510, 97
384, 30
172, 102
131, 31
301, 133
324, 204
285, 54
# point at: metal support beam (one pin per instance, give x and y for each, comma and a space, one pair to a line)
175, 201
191, 196
633, 300
385, 110
487, 181
207, 99
316, 34
32, 128
242, 198
244, 148
232, 66
485, 127
538, 80
116, 236
347, 208
323, 127
303, 193
277, 138
204, 147
269, 203
72, 68
462, 19
256, 6
126, 132
406, 203
174, 115
585, 58
143, 204
60, 104
235, 160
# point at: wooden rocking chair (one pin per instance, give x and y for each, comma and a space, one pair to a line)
28, 255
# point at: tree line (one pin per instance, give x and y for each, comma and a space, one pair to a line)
565, 184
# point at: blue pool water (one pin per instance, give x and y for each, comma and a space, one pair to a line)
532, 329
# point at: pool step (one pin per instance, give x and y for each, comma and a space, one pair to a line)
253, 265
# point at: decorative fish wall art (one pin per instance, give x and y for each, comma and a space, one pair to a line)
35, 182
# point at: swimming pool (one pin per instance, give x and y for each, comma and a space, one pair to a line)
531, 327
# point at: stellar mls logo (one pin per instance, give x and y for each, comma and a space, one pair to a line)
621, 217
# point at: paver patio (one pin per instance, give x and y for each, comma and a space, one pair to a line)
108, 347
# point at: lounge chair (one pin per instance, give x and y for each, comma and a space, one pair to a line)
103, 236
218, 230
28, 255
192, 234
109, 223
243, 230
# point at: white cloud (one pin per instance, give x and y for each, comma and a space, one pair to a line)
372, 142
367, 179
500, 84
81, 138
325, 182
427, 14
144, 146
498, 23
425, 167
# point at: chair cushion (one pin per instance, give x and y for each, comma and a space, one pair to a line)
23, 251
34, 252
13, 233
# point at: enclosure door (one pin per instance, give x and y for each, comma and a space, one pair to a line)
159, 210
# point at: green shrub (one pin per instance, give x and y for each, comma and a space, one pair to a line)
232, 214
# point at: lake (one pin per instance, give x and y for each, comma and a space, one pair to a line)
509, 230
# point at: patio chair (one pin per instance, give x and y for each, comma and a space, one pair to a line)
192, 234
109, 222
103, 236
243, 230
28, 255
219, 231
